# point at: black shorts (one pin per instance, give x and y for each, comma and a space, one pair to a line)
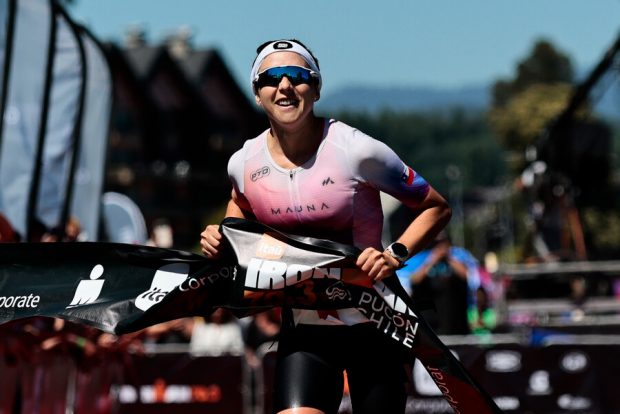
310, 364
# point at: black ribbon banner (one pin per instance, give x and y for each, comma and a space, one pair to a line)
122, 288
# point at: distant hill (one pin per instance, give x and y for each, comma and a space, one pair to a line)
418, 99
425, 99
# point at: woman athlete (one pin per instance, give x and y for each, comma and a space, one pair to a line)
321, 178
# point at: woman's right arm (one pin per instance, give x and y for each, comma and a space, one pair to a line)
211, 238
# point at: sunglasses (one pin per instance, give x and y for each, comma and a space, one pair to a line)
295, 74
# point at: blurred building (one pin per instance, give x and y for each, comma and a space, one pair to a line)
178, 116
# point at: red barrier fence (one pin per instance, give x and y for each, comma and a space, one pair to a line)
557, 378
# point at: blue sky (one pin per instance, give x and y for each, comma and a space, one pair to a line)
437, 43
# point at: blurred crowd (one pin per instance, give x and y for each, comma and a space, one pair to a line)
41, 358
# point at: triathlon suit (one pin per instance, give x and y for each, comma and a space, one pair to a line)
336, 196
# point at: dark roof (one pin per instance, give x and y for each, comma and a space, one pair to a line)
194, 64
143, 59
208, 72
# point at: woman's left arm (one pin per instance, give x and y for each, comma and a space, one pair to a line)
433, 214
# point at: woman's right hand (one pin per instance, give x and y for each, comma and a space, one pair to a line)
211, 241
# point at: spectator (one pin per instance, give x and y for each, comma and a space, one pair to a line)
263, 328
71, 232
218, 334
178, 331
440, 274
482, 317
161, 234
7, 233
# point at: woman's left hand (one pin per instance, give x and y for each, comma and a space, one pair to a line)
378, 265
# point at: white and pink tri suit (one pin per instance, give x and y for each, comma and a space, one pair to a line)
334, 195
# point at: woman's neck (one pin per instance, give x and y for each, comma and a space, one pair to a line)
291, 148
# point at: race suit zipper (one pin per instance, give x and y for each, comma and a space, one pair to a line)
294, 192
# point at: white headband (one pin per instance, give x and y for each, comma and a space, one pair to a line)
284, 46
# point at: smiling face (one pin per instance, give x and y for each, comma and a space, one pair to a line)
286, 105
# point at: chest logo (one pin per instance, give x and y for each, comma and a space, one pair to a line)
328, 181
260, 173
309, 208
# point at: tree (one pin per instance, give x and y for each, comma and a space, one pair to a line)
544, 65
523, 106
540, 107
522, 120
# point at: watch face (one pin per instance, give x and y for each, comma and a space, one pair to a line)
400, 250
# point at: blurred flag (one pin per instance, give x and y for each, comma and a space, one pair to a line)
56, 103
123, 221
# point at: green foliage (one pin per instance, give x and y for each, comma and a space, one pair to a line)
602, 228
522, 120
432, 142
525, 105
545, 64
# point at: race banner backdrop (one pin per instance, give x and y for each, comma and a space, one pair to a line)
122, 288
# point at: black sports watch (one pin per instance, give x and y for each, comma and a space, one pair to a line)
398, 251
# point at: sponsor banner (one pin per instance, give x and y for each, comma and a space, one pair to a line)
105, 285
553, 379
165, 383
577, 378
122, 288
